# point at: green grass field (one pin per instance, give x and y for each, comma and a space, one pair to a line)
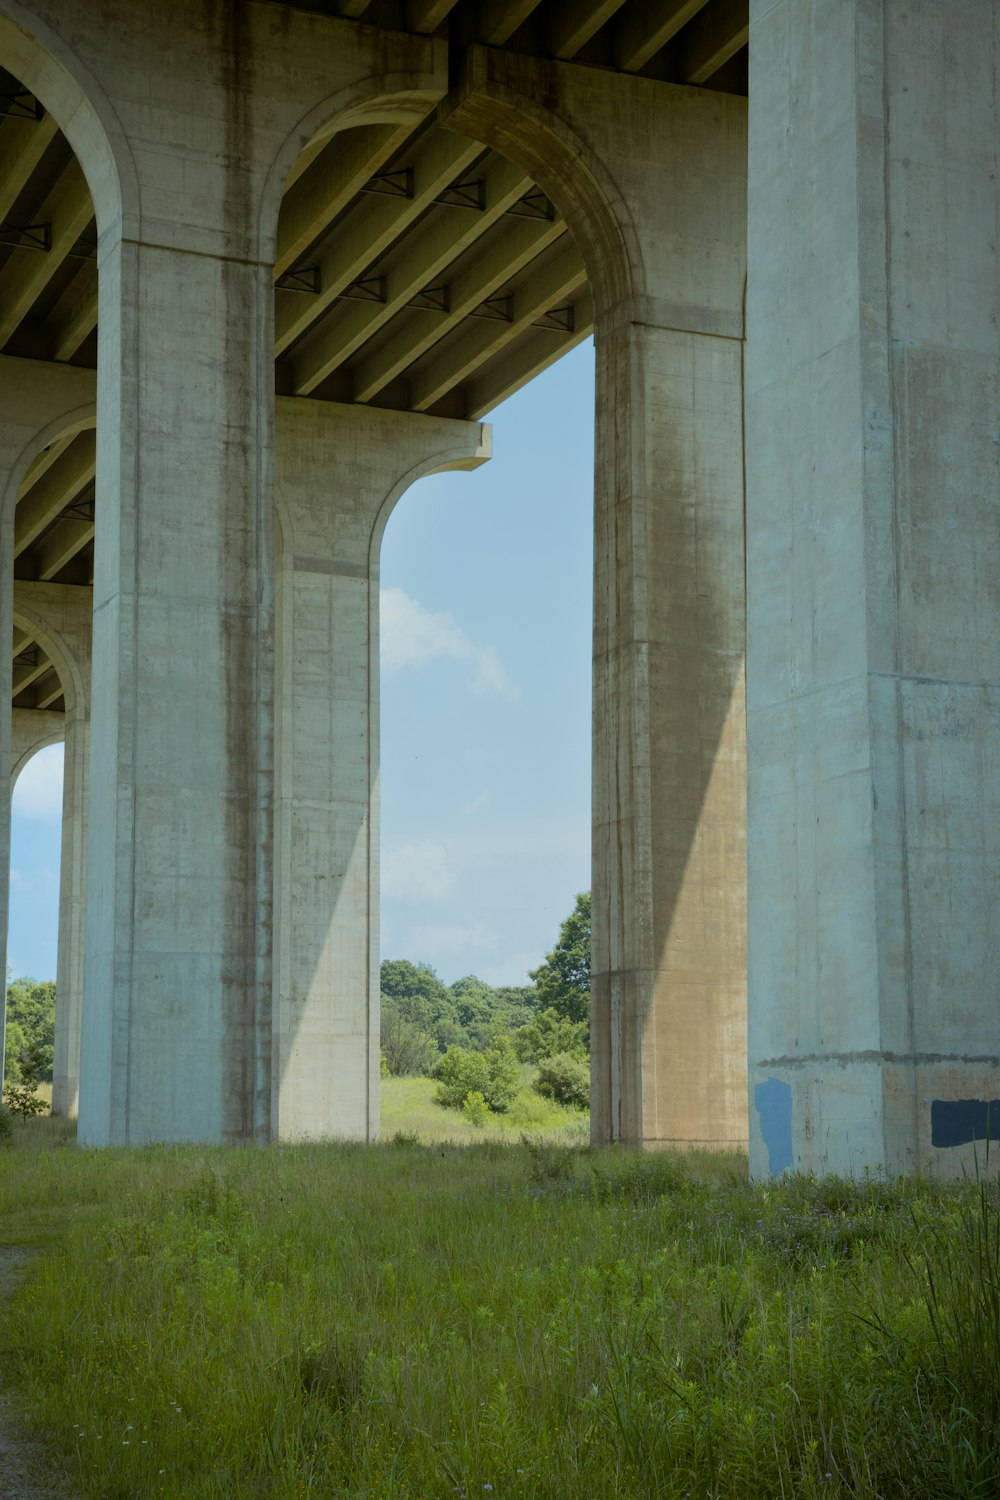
508, 1318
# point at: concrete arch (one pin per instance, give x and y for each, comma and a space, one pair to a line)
454, 456
381, 98
76, 419
61, 655
55, 738
502, 109
47, 65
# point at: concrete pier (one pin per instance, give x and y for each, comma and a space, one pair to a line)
873, 484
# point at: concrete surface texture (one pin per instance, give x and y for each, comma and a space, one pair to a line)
403, 225
873, 487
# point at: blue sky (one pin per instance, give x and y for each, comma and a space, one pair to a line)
486, 650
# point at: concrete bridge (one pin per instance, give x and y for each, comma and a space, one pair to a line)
264, 264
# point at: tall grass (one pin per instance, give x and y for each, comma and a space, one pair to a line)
529, 1321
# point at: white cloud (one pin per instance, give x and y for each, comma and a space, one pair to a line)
416, 872
412, 636
38, 789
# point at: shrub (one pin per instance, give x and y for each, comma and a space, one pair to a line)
565, 1079
494, 1074
475, 1109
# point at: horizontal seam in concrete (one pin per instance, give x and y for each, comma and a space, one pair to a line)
330, 565
809, 1059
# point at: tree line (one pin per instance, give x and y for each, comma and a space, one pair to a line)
473, 1038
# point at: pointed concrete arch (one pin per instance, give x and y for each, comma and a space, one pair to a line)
46, 63
514, 105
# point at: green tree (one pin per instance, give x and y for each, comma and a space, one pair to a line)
31, 1025
548, 1034
562, 982
414, 993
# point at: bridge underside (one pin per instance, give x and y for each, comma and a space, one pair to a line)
254, 284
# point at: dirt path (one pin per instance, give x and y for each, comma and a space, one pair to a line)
26, 1472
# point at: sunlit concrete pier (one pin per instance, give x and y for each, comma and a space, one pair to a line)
264, 264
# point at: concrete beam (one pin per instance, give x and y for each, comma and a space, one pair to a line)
62, 544
644, 29
506, 254
556, 283
74, 317
26, 273
713, 37
329, 183
572, 23
535, 351
49, 496
499, 19
23, 143
374, 225
417, 264
425, 16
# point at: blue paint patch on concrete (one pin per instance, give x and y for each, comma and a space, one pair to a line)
774, 1107
956, 1122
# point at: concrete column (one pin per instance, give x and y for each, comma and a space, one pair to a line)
177, 1004
668, 1032
874, 583
340, 470
61, 618
651, 180
38, 403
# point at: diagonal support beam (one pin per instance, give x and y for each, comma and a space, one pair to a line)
644, 29
428, 251
502, 259
531, 355
572, 24
558, 281
61, 545
26, 273
67, 478
22, 145
499, 19
28, 672
369, 230
425, 16
74, 317
713, 37
329, 183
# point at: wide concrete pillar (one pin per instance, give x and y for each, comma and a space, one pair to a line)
177, 1008
873, 380
651, 180
340, 470
60, 617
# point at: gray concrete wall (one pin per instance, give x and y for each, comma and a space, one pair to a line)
874, 583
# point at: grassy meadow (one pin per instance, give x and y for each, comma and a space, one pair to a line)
497, 1317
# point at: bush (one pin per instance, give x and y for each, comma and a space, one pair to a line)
494, 1074
565, 1079
475, 1109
